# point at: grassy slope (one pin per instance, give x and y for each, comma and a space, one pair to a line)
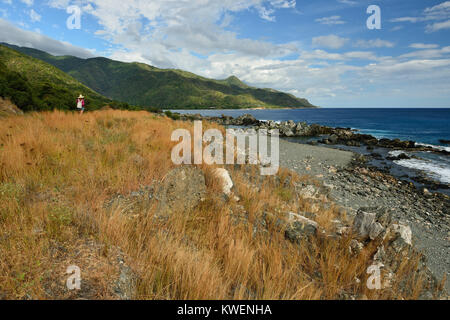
49, 86
141, 84
59, 169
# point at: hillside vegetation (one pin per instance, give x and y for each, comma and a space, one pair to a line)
141, 84
32, 84
86, 191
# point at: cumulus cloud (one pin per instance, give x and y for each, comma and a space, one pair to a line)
166, 26
16, 36
331, 41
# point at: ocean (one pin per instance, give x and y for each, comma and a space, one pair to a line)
425, 126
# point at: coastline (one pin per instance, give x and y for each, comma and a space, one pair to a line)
352, 182
353, 185
384, 154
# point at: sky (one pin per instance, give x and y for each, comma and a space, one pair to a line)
322, 50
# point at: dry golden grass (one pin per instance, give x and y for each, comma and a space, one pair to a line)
58, 169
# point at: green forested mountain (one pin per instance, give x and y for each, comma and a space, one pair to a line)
141, 84
33, 84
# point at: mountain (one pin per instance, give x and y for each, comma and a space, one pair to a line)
145, 85
33, 84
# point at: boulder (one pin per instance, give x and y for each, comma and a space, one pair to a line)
401, 235
302, 129
224, 178
300, 228
291, 124
286, 131
375, 230
363, 223
333, 139
293, 217
246, 120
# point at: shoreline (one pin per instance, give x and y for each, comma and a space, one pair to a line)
377, 152
353, 185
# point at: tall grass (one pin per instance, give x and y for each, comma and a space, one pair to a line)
57, 171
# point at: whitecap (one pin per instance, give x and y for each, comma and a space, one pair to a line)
431, 168
440, 148
396, 153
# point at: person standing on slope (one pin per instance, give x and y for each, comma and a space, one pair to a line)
80, 104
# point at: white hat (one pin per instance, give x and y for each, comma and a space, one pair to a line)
81, 97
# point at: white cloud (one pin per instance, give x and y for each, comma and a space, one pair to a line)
438, 26
167, 33
284, 4
350, 2
424, 53
423, 46
438, 12
331, 41
16, 36
28, 2
34, 16
407, 19
374, 43
333, 20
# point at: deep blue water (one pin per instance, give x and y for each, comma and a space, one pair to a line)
420, 125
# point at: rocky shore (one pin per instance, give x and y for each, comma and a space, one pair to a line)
335, 136
344, 138
358, 187
353, 185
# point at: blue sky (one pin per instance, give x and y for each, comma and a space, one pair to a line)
321, 50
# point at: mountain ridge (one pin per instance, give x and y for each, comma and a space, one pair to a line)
164, 88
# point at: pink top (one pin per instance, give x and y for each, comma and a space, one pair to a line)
80, 103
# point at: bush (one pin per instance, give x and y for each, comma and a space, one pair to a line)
173, 116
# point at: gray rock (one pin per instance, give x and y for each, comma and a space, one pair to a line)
401, 235
355, 246
375, 230
333, 139
300, 228
362, 223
